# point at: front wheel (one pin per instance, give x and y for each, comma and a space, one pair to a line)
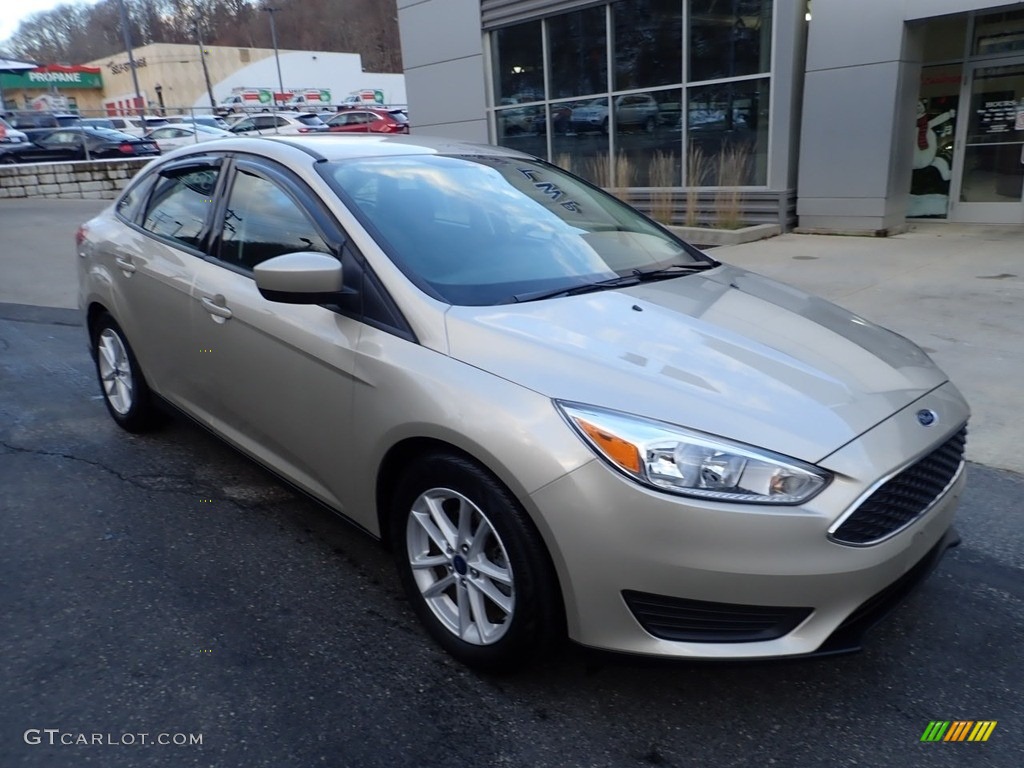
473, 565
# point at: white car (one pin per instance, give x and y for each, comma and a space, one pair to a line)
135, 125
173, 136
278, 124
10, 134
631, 111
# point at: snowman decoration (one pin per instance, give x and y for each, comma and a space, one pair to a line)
927, 142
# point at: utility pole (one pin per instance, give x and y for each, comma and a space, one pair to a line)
131, 57
202, 59
277, 58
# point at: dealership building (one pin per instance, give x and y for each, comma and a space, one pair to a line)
833, 115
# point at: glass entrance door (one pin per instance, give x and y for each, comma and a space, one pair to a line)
990, 182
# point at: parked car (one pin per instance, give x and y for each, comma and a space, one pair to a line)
560, 416
368, 121
78, 144
285, 124
173, 136
210, 121
97, 122
39, 119
11, 135
637, 110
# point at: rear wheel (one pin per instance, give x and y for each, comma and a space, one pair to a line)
125, 392
473, 566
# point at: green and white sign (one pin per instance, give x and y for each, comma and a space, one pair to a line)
44, 78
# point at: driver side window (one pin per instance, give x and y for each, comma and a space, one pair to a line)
262, 221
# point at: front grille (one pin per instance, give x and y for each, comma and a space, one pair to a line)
698, 621
905, 497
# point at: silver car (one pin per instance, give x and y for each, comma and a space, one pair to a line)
564, 420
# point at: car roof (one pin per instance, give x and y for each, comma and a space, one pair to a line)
342, 147
339, 146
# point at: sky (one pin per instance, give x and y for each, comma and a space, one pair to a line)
16, 10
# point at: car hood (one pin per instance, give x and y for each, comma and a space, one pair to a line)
726, 352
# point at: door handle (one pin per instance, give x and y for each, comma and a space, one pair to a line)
125, 263
215, 306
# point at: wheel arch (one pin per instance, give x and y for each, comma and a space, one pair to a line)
407, 450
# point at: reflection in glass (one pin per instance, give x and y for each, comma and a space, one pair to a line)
518, 64
648, 43
999, 33
577, 45
648, 139
522, 128
585, 154
729, 38
727, 124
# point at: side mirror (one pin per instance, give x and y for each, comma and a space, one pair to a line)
306, 277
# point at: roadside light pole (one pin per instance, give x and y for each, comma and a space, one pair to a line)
202, 60
277, 57
131, 58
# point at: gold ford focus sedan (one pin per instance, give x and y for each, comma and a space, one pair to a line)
564, 420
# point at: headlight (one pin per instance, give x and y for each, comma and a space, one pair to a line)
691, 463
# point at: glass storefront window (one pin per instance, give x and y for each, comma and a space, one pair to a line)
578, 49
727, 126
999, 33
518, 60
648, 138
993, 152
938, 102
522, 128
584, 147
944, 38
648, 43
729, 38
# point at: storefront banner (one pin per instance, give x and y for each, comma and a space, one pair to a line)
54, 76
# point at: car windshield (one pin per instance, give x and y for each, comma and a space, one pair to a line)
483, 230
309, 119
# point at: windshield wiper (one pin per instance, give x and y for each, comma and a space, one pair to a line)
636, 277
574, 290
673, 270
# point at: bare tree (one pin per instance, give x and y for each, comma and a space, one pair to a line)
78, 32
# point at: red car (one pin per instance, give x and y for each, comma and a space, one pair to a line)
369, 121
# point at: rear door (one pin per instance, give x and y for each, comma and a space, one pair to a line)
151, 263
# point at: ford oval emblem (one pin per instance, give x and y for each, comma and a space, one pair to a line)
926, 417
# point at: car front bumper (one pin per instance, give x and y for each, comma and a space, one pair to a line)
633, 561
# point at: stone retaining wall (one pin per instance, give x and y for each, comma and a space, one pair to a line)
96, 179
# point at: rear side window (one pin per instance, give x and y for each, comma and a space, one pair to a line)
180, 204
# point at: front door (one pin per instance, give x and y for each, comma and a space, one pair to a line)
988, 185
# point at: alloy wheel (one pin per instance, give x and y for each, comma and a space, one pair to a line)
460, 566
115, 371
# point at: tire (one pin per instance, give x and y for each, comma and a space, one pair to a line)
125, 392
483, 585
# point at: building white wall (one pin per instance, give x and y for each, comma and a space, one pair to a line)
340, 73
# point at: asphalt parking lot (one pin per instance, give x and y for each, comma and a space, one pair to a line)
164, 585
